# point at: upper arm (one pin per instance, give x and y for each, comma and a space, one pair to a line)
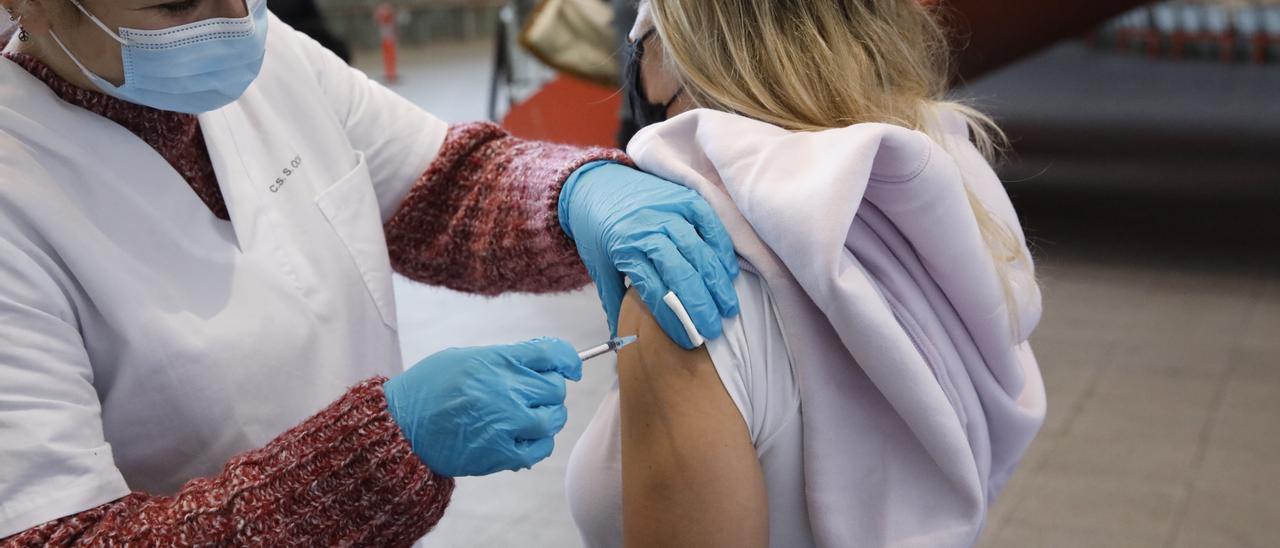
56, 458
399, 139
691, 476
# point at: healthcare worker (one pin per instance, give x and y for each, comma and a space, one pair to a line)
200, 211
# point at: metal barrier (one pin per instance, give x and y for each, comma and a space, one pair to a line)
516, 74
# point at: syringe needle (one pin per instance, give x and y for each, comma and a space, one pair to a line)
612, 345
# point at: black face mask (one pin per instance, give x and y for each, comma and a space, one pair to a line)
639, 109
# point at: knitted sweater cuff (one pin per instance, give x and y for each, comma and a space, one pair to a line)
483, 218
346, 476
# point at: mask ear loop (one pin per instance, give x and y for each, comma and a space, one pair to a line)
674, 98
96, 21
58, 41
102, 84
640, 51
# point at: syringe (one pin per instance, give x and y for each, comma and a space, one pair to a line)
612, 345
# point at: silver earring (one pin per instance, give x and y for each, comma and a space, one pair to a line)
23, 35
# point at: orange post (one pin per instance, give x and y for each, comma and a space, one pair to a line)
385, 16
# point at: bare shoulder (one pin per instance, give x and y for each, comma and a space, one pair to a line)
653, 346
690, 474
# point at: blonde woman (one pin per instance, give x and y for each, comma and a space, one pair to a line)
877, 388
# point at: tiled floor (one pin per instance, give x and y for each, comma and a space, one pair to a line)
1160, 349
1161, 355
1161, 429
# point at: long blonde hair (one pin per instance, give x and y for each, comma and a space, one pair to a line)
810, 65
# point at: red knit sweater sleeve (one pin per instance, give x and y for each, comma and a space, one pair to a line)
482, 219
344, 477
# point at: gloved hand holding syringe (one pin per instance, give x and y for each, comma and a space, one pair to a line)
524, 417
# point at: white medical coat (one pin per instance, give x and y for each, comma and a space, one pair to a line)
143, 341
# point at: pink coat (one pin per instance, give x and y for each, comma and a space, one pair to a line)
918, 395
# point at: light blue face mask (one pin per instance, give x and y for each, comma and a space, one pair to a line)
193, 68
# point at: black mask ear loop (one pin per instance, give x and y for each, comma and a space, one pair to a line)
667, 107
641, 110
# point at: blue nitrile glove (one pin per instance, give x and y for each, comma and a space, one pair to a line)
662, 235
476, 411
